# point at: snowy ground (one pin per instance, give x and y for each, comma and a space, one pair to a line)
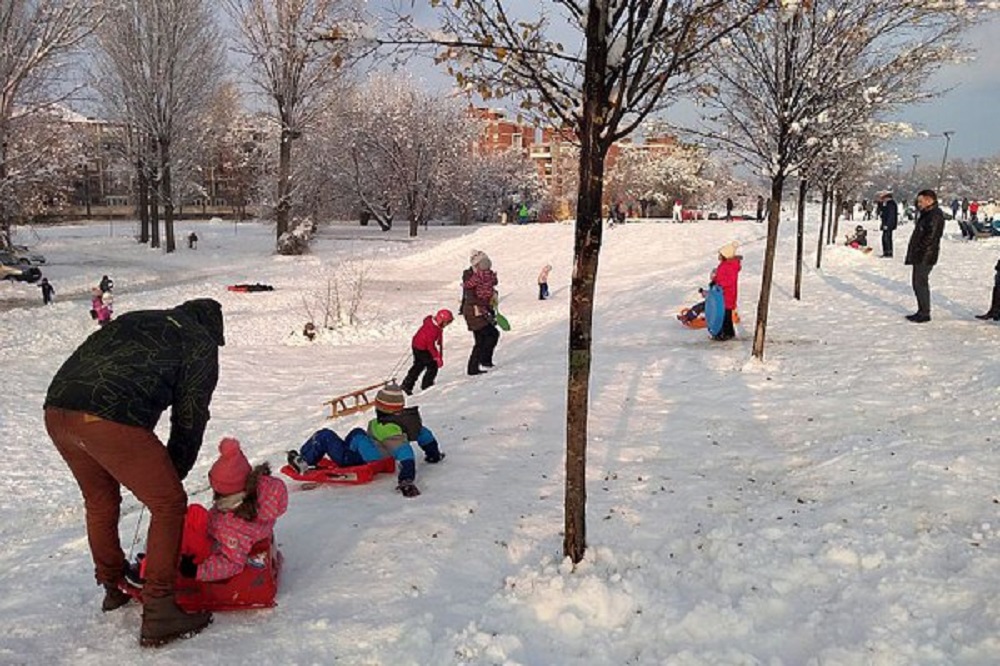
836, 505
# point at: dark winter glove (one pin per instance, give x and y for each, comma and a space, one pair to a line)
434, 458
187, 566
408, 489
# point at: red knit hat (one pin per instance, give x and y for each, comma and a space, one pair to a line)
228, 475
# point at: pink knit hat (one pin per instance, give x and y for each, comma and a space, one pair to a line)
228, 475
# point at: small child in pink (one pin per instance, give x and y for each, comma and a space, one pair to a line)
247, 504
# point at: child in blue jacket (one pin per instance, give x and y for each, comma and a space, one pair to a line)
388, 435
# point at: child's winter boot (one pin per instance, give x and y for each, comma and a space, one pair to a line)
164, 621
297, 462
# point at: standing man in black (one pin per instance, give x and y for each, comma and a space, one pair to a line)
922, 253
889, 216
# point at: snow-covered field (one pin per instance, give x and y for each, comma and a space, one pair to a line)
836, 505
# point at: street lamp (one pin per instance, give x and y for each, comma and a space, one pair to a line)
944, 158
913, 171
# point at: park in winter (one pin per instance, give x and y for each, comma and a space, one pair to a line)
499, 332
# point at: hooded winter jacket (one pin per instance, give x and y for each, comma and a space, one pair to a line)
428, 338
131, 370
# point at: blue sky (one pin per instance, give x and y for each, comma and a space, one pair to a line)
969, 106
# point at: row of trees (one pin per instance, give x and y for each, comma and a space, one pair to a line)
384, 147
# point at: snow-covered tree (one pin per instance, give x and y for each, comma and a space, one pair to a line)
401, 148
162, 63
801, 74
291, 68
483, 185
658, 175
598, 69
36, 36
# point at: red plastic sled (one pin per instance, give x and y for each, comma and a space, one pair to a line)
699, 321
327, 471
254, 587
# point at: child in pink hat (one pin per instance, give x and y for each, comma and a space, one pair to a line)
248, 501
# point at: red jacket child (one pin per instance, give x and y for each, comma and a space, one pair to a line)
428, 351
727, 274
429, 338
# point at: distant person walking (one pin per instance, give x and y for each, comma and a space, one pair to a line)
47, 291
192, 241
889, 221
106, 285
760, 208
729, 209
922, 253
965, 208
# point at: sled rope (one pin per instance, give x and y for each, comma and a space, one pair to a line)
135, 537
358, 401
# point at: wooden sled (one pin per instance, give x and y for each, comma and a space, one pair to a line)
353, 402
699, 321
327, 471
254, 587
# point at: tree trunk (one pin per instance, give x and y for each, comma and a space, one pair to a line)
154, 209
142, 190
773, 218
6, 215
284, 181
838, 206
800, 232
586, 251
167, 195
822, 228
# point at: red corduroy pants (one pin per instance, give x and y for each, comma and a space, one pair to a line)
104, 456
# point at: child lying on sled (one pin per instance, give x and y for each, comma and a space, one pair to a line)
688, 315
388, 435
859, 239
216, 542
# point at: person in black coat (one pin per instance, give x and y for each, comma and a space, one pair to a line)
922, 252
47, 291
889, 216
101, 410
106, 285
994, 311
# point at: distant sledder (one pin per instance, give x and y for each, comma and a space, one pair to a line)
858, 240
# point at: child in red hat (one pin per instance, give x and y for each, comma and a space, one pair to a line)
428, 351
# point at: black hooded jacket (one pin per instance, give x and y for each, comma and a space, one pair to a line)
131, 370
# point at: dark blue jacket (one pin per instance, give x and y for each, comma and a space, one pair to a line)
890, 215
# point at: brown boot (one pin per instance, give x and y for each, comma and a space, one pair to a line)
164, 621
114, 598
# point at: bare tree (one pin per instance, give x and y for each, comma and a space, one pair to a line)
290, 67
806, 72
35, 38
163, 62
628, 59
